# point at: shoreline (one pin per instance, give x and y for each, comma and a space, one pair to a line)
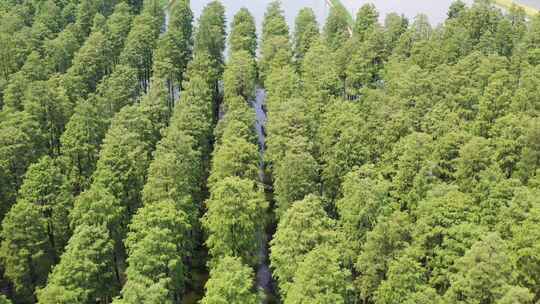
507, 4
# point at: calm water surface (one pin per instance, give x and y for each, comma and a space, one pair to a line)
531, 3
436, 10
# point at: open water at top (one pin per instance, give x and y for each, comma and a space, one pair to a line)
531, 3
435, 9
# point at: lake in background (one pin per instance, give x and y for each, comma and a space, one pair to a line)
435, 10
531, 3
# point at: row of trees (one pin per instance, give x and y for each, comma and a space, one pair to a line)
113, 171
54, 181
236, 209
165, 232
35, 230
35, 103
419, 156
114, 196
403, 158
304, 255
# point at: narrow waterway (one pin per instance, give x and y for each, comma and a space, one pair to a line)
264, 275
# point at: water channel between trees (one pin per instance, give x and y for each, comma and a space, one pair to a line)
265, 282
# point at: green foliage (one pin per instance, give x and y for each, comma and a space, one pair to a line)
237, 123
240, 75
365, 197
174, 48
304, 226
26, 252
139, 46
320, 279
384, 243
404, 280
49, 104
472, 161
456, 8
366, 19
81, 141
295, 176
235, 219
306, 31
517, 295
21, 144
46, 186
394, 26
341, 145
59, 52
125, 155
117, 29
234, 157
176, 173
336, 28
84, 273
4, 300
320, 76
156, 245
98, 206
164, 232
401, 161
243, 36
116, 91
483, 274
210, 34
19, 83
281, 85
366, 61
194, 115
524, 246
89, 65
275, 46
230, 282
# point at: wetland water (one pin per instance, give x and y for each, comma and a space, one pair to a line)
435, 10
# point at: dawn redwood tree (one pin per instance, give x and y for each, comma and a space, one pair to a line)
388, 238
83, 274
295, 177
320, 279
239, 78
210, 34
139, 47
46, 186
306, 31
230, 281
367, 18
275, 44
484, 273
235, 156
336, 28
304, 226
174, 49
156, 246
243, 34
235, 219
21, 144
26, 252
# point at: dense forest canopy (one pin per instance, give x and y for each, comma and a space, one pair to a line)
150, 157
